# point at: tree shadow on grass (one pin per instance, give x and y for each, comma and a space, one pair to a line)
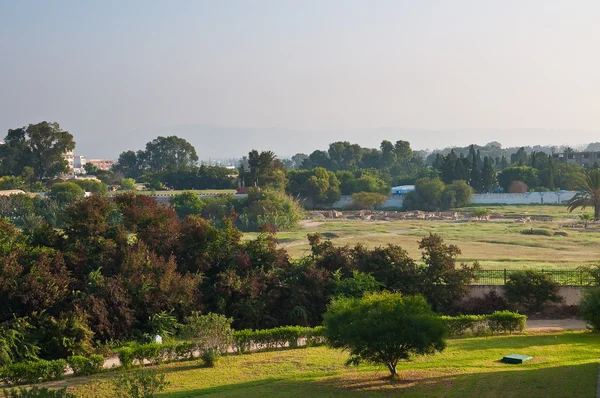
511, 381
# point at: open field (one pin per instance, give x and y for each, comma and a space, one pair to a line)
496, 245
564, 365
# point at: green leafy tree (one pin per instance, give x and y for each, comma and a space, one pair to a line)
426, 196
367, 200
589, 193
127, 184
186, 203
527, 174
130, 164
66, 192
531, 289
90, 169
39, 146
384, 328
168, 153
488, 175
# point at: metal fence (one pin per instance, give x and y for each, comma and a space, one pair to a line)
577, 277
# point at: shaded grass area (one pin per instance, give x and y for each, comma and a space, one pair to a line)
496, 245
564, 365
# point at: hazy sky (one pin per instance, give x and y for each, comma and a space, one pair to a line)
114, 73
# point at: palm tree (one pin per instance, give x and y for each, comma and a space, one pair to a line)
589, 193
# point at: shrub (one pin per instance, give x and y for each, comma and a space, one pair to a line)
140, 384
164, 324
499, 321
66, 192
506, 321
213, 330
315, 337
384, 328
83, 366
560, 233
367, 200
209, 357
37, 392
33, 372
151, 352
186, 349
531, 289
590, 308
480, 213
463, 325
125, 356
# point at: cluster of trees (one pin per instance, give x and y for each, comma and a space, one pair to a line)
260, 210
398, 162
536, 170
171, 162
117, 263
432, 194
35, 153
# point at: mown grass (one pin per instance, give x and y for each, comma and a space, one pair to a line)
496, 244
564, 365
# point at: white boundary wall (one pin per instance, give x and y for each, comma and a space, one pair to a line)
527, 198
396, 201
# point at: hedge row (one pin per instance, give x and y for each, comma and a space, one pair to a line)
85, 366
33, 372
285, 336
477, 325
155, 353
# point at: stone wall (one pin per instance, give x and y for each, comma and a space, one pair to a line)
572, 294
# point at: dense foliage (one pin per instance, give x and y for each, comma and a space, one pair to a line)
431, 194
531, 289
121, 268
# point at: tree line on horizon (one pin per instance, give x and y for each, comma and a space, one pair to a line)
32, 159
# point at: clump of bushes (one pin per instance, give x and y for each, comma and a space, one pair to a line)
480, 213
33, 371
431, 194
265, 339
155, 353
84, 366
476, 325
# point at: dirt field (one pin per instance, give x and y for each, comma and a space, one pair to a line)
496, 244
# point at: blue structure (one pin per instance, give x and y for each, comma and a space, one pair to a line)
402, 189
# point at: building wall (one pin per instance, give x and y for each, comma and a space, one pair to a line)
522, 198
572, 295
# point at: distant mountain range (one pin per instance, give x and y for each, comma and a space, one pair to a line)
225, 142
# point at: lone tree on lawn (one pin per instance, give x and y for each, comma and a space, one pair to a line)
384, 328
589, 193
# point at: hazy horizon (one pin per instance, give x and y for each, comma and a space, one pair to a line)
298, 75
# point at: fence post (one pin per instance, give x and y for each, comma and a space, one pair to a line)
505, 276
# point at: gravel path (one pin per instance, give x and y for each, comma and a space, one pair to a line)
555, 324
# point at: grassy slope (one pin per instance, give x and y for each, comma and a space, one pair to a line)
497, 244
564, 365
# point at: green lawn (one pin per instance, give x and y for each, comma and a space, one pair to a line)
496, 245
564, 365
